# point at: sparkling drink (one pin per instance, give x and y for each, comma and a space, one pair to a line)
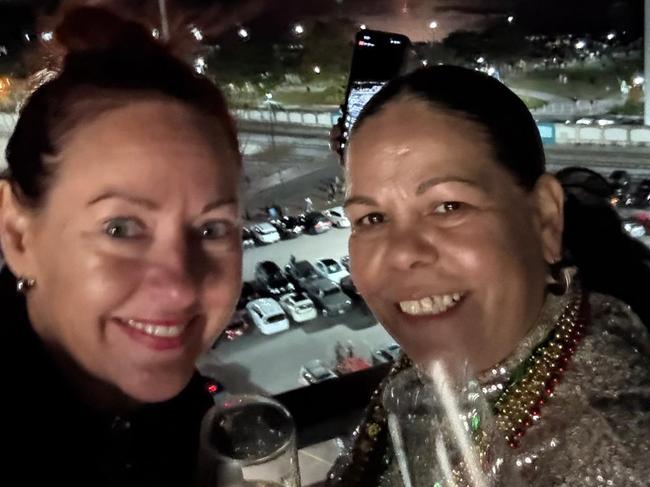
249, 441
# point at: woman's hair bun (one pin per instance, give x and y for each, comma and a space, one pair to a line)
96, 28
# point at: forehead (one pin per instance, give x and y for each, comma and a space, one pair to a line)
409, 136
151, 139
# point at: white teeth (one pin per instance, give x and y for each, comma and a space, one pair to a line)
432, 305
157, 331
426, 305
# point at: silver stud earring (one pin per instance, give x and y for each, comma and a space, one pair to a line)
24, 284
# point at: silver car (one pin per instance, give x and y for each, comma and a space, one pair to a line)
316, 371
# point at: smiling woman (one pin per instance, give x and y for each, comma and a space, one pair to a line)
462, 248
119, 223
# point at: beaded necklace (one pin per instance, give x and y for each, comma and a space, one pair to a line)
533, 383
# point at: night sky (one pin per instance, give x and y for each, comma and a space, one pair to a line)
413, 16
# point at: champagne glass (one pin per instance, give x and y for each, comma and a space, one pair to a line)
248, 441
443, 432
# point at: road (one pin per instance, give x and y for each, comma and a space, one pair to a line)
271, 364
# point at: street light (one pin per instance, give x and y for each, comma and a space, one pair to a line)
511, 19
196, 32
243, 33
200, 65
480, 60
581, 45
363, 27
425, 62
433, 25
317, 69
611, 36
298, 29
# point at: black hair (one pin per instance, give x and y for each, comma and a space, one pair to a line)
609, 261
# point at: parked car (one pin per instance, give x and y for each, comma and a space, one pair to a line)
386, 353
349, 288
238, 326
328, 296
621, 184
315, 223
300, 271
267, 315
345, 262
316, 371
331, 269
634, 229
299, 307
248, 240
248, 293
643, 218
641, 194
337, 216
288, 227
265, 233
271, 280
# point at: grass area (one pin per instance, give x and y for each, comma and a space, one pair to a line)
533, 103
591, 88
329, 96
583, 82
629, 108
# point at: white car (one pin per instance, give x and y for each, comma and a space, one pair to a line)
337, 216
299, 307
331, 269
265, 233
267, 315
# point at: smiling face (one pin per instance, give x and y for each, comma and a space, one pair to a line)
447, 250
136, 250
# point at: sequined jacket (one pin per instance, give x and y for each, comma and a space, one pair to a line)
594, 430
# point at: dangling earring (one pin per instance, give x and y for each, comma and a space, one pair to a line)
560, 278
24, 284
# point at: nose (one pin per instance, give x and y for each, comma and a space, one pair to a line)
172, 281
410, 247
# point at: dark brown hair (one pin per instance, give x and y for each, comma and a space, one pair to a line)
109, 62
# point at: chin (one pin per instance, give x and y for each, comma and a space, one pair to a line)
157, 390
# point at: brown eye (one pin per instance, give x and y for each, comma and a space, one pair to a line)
448, 207
371, 219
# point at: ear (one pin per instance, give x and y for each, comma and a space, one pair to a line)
14, 231
549, 207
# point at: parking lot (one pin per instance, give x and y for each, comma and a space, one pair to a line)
271, 363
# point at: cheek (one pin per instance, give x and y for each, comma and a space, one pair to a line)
363, 269
94, 284
221, 291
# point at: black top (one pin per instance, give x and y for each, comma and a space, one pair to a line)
50, 438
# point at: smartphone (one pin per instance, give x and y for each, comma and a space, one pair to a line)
377, 58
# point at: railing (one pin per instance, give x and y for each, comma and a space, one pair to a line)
552, 133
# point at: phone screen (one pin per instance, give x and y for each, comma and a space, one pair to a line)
378, 57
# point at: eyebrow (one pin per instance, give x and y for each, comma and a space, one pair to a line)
152, 205
113, 194
422, 188
430, 183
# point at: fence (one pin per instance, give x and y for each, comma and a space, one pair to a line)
552, 133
